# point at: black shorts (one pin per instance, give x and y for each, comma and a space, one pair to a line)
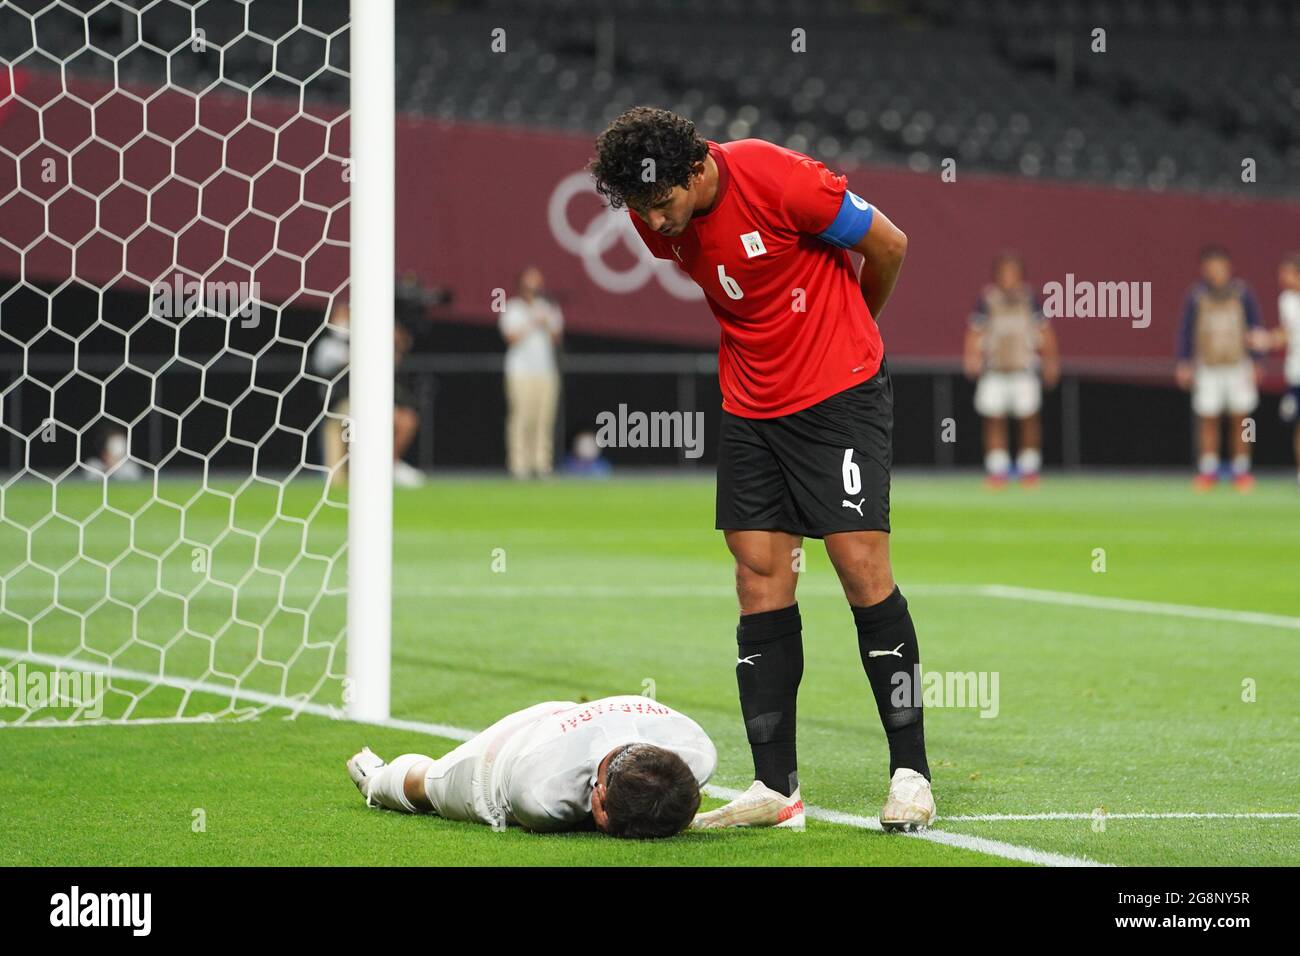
814, 472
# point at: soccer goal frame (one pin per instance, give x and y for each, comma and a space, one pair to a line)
166, 531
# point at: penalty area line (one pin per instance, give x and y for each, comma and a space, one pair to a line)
962, 841
1172, 815
449, 732
1130, 605
975, 844
1000, 592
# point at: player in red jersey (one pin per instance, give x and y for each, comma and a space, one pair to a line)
806, 438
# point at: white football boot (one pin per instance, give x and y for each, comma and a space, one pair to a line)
407, 476
910, 805
759, 806
362, 768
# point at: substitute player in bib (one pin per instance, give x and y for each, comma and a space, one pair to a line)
1287, 336
1216, 362
1009, 345
628, 766
805, 445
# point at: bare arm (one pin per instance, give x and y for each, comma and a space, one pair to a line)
883, 248
1267, 340
1051, 357
1183, 369
972, 355
556, 327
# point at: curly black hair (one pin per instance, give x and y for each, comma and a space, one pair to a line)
641, 133
650, 793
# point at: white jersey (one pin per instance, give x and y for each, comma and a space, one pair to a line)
533, 353
542, 775
1288, 309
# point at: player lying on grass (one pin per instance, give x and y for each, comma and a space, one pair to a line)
805, 447
627, 766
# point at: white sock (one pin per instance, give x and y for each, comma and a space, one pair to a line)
1241, 465
387, 786
997, 462
1208, 465
1029, 461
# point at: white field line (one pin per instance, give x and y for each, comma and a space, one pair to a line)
962, 841
233, 691
996, 591
203, 687
1128, 605
719, 591
1008, 851
999, 817
449, 732
976, 844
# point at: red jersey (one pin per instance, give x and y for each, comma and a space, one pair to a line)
795, 328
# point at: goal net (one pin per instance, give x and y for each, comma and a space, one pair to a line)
175, 186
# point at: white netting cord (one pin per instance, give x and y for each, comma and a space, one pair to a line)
173, 202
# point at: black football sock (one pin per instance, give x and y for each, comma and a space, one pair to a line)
886, 629
769, 666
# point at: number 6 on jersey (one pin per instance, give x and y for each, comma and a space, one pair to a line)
729, 285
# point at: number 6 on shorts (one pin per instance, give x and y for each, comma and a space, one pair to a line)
852, 474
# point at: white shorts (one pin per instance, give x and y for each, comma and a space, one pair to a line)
458, 783
998, 394
1224, 389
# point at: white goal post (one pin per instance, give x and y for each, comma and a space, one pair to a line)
370, 502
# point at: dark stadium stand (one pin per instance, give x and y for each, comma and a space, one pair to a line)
1184, 91
988, 84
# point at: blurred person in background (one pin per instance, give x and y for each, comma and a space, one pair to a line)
1008, 343
329, 360
406, 411
1287, 336
532, 327
585, 459
1216, 364
112, 457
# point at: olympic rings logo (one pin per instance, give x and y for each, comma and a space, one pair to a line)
605, 232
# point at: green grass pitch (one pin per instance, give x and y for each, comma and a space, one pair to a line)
623, 587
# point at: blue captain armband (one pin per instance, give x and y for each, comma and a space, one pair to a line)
850, 223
